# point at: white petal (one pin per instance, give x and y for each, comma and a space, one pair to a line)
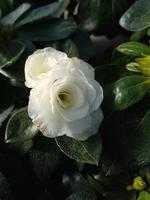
98, 97
75, 114
40, 112
79, 64
79, 107
84, 128
41, 62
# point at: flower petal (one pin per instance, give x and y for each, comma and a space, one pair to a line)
79, 64
84, 128
98, 97
40, 63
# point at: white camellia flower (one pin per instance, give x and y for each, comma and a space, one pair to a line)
65, 98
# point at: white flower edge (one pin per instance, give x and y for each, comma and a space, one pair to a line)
44, 60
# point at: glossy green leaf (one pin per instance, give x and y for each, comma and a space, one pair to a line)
20, 131
10, 51
88, 14
12, 17
144, 195
133, 67
88, 151
54, 29
137, 17
111, 10
51, 10
134, 49
129, 90
62, 5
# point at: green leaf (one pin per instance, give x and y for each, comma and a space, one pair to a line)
137, 17
140, 150
12, 17
88, 151
5, 114
133, 67
54, 29
62, 5
44, 157
144, 195
134, 49
16, 72
88, 14
138, 35
110, 11
55, 9
20, 131
10, 51
128, 91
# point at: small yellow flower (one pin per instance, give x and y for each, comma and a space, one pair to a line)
139, 184
144, 65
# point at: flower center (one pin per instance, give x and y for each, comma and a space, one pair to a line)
65, 99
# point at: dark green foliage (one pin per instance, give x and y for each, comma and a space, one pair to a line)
102, 167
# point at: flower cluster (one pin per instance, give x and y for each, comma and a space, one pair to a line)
65, 97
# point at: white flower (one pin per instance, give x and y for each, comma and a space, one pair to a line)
66, 99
